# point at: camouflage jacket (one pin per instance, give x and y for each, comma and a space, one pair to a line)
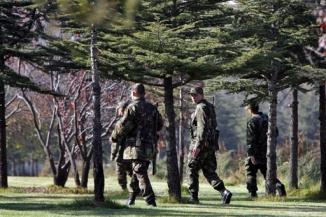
257, 128
138, 127
203, 126
117, 147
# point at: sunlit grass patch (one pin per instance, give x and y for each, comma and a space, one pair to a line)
40, 204
13, 190
271, 198
64, 190
52, 189
116, 194
312, 193
171, 200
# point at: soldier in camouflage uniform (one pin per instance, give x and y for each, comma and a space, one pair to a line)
257, 128
204, 144
123, 167
138, 127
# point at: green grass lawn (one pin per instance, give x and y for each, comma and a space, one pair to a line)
25, 198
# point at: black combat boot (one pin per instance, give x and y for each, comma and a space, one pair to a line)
280, 188
226, 196
253, 195
151, 202
131, 199
193, 198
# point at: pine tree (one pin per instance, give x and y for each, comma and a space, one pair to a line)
20, 27
168, 38
171, 38
89, 19
271, 36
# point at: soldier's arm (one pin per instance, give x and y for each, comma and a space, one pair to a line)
115, 144
159, 121
200, 118
251, 138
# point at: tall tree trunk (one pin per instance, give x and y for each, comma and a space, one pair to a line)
73, 164
171, 152
36, 167
54, 169
181, 139
3, 144
271, 141
61, 170
62, 174
14, 171
85, 172
24, 168
97, 127
322, 119
66, 148
293, 182
31, 167
76, 176
86, 155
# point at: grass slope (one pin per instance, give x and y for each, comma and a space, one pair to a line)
27, 198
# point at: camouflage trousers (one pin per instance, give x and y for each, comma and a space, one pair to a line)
123, 168
140, 181
251, 173
206, 161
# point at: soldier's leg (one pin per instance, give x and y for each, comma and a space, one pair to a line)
251, 173
193, 169
209, 171
280, 188
140, 169
129, 168
121, 174
133, 186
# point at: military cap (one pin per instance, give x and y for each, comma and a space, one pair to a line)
253, 105
138, 88
196, 90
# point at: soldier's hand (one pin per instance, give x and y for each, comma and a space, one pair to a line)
195, 152
253, 160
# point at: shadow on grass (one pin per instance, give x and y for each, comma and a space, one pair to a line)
84, 206
78, 204
80, 210
24, 197
235, 197
290, 207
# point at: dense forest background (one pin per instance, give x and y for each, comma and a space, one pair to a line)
232, 118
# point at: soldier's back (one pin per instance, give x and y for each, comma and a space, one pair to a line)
260, 121
141, 139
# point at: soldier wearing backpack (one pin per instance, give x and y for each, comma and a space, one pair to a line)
204, 144
123, 167
138, 129
257, 128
